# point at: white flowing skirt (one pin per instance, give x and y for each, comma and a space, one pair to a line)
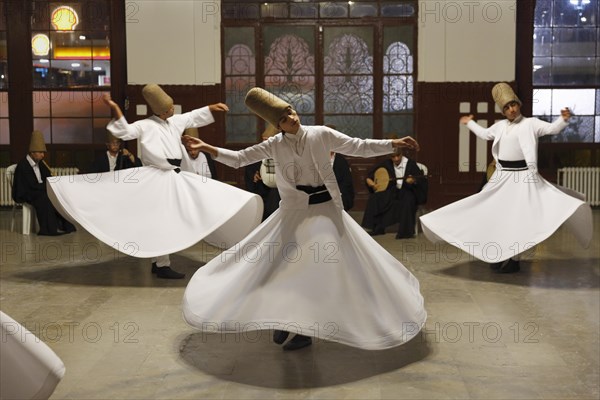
515, 211
148, 212
314, 272
29, 369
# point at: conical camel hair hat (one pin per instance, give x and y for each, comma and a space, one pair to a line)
193, 132
503, 94
159, 101
270, 130
37, 142
266, 105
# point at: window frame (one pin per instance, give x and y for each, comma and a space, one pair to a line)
378, 23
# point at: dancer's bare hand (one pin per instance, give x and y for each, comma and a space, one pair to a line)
466, 118
218, 107
192, 143
406, 142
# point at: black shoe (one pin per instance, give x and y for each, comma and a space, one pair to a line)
280, 336
154, 268
510, 267
168, 273
496, 266
297, 342
377, 232
398, 236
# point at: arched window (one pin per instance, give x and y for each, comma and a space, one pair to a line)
341, 63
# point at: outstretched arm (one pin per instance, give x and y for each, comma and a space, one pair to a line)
545, 128
116, 110
195, 143
218, 107
406, 142
484, 133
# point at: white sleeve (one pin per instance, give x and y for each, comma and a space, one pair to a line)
542, 128
344, 144
121, 129
480, 131
193, 119
237, 159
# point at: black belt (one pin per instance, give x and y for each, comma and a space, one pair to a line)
316, 195
176, 162
516, 165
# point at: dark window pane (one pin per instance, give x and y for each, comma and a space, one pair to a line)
71, 104
359, 10
240, 11
71, 130
4, 131
542, 42
40, 19
304, 10
3, 74
333, 10
3, 104
241, 128
352, 125
43, 125
2, 15
99, 109
99, 130
543, 13
574, 42
235, 92
401, 125
574, 13
573, 71
274, 10
397, 10
542, 69
41, 104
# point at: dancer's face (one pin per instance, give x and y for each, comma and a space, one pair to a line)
512, 110
289, 121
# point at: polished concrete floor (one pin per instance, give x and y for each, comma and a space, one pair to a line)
119, 330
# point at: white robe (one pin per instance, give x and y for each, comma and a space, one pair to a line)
152, 210
516, 210
308, 269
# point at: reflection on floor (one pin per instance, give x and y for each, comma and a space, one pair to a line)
119, 330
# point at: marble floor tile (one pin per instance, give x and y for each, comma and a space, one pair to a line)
120, 331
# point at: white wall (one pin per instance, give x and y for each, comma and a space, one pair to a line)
173, 42
467, 41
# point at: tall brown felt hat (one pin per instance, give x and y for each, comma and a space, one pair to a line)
193, 132
503, 94
270, 131
157, 99
37, 142
266, 105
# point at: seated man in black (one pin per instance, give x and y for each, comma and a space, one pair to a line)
343, 176
115, 158
395, 201
29, 186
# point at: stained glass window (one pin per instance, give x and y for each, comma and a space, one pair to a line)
356, 76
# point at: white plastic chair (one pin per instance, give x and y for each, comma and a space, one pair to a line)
29, 220
420, 208
30, 369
